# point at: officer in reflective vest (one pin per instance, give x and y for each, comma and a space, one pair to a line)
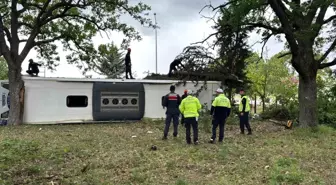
220, 110
171, 101
244, 110
189, 107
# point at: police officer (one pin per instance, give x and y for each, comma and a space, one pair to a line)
244, 110
171, 101
220, 110
189, 107
183, 96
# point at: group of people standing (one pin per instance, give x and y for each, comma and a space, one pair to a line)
189, 106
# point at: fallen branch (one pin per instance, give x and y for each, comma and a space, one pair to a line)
288, 125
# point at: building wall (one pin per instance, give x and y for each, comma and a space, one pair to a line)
154, 92
45, 101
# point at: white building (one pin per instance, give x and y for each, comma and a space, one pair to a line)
73, 100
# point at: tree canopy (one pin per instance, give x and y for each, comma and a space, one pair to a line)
271, 77
3, 69
42, 24
306, 29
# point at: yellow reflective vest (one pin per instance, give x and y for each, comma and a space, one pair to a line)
190, 106
221, 101
247, 105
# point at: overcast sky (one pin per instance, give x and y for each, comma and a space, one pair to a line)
180, 24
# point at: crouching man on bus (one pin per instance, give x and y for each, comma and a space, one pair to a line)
189, 108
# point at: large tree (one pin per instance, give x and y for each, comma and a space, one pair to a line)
233, 51
39, 24
305, 27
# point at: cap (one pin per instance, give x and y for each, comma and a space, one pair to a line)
189, 92
219, 90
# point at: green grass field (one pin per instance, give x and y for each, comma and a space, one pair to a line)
110, 154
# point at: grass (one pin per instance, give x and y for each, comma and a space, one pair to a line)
120, 154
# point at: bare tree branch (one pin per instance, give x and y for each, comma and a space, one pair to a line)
46, 41
329, 50
26, 24
261, 25
34, 32
285, 54
224, 5
265, 40
324, 65
14, 43
8, 34
323, 11
314, 6
207, 38
280, 12
331, 18
4, 50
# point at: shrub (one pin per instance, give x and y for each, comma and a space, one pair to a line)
278, 113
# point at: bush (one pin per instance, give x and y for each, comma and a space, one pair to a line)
277, 113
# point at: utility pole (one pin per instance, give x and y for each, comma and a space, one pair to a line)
156, 71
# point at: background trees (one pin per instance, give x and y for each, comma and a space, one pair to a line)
304, 25
110, 61
3, 69
73, 23
271, 78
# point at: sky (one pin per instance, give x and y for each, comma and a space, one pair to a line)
180, 25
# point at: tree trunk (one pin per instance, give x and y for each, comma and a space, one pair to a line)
255, 104
308, 101
263, 103
230, 93
16, 93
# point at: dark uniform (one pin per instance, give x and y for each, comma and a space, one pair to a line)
171, 101
33, 68
244, 109
128, 64
220, 110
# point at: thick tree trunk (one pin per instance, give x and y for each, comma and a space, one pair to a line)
255, 104
308, 101
16, 92
263, 104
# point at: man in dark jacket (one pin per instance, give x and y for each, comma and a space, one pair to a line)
244, 110
171, 102
174, 66
128, 64
33, 68
220, 110
183, 96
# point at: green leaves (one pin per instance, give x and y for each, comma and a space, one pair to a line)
41, 23
272, 77
109, 61
3, 69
